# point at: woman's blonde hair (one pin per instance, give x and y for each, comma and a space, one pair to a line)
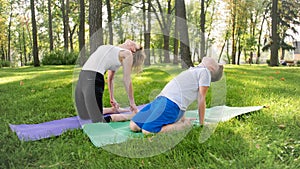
138, 60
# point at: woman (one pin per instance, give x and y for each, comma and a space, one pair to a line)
90, 86
166, 112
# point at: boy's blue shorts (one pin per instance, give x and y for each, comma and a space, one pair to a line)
158, 113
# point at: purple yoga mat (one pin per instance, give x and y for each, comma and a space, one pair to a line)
27, 132
31, 132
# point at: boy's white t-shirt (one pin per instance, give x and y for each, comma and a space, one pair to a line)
106, 57
184, 88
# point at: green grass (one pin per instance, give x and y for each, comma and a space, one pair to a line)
269, 138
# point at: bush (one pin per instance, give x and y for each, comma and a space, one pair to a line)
4, 63
60, 58
298, 63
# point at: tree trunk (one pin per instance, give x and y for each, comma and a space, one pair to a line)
71, 37
233, 43
209, 31
251, 57
166, 47
30, 38
65, 9
147, 30
167, 34
67, 23
245, 54
202, 27
95, 23
165, 27
186, 60
50, 26
227, 51
220, 55
24, 46
275, 38
9, 33
35, 52
259, 38
176, 44
239, 52
282, 54
21, 54
252, 28
2, 53
109, 19
81, 33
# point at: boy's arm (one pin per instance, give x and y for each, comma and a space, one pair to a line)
202, 103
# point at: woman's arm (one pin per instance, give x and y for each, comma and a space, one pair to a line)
111, 75
127, 66
202, 103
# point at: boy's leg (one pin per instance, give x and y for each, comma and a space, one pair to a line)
121, 117
112, 110
134, 127
179, 125
161, 112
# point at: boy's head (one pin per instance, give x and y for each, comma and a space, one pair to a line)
216, 69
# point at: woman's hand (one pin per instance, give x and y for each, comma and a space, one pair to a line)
133, 108
114, 104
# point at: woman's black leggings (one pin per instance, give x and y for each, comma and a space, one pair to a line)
88, 96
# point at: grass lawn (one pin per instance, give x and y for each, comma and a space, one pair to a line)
269, 138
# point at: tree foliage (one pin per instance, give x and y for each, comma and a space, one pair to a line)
242, 25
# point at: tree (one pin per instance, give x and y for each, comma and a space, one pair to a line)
109, 19
9, 32
34, 36
265, 4
50, 26
65, 8
233, 31
243, 29
275, 38
95, 23
164, 23
176, 41
202, 27
3, 33
24, 45
287, 18
147, 30
81, 32
182, 27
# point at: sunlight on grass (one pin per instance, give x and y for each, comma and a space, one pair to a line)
18, 75
5, 80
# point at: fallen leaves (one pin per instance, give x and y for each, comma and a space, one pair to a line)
281, 126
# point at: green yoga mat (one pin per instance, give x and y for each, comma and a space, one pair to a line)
102, 134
